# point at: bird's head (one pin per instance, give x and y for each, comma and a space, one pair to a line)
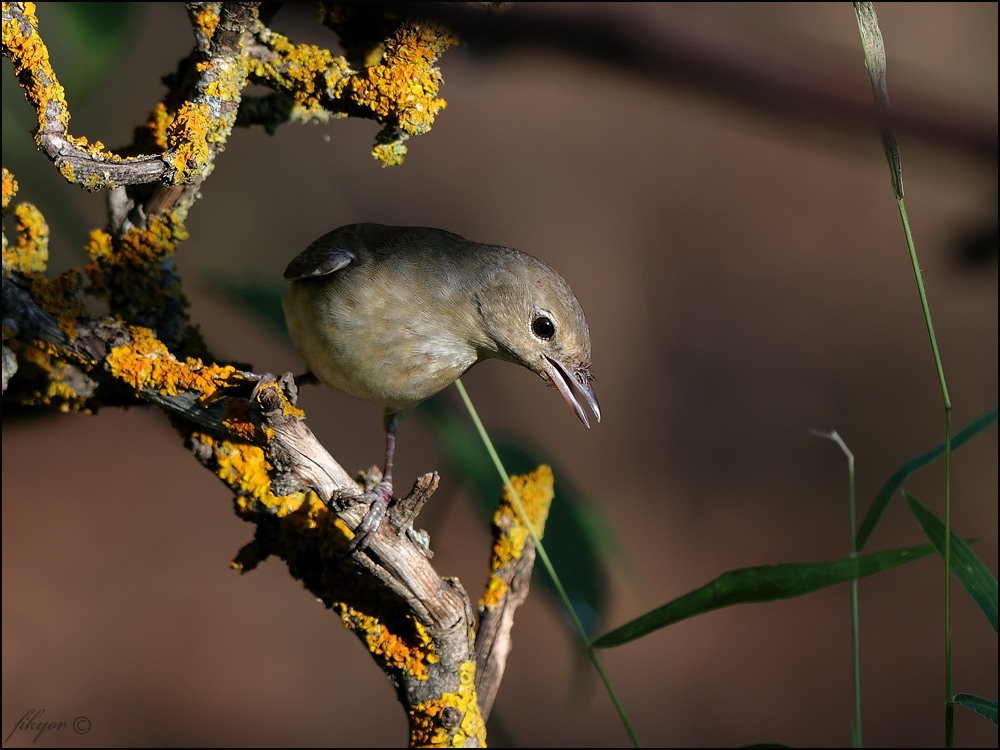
533, 319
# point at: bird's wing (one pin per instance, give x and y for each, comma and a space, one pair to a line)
321, 258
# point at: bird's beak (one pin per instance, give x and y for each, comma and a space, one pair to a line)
574, 386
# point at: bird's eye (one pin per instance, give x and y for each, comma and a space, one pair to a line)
543, 327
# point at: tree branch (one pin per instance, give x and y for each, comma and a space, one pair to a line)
243, 426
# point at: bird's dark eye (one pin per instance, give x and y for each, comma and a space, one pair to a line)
543, 327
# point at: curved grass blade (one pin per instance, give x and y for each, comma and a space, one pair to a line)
966, 566
981, 706
764, 583
914, 465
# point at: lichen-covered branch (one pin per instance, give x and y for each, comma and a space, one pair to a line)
511, 563
243, 426
90, 164
418, 625
397, 87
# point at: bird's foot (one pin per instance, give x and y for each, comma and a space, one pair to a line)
380, 496
286, 382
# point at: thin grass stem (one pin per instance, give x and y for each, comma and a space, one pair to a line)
875, 61
855, 633
544, 557
949, 706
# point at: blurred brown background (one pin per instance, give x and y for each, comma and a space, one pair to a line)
746, 280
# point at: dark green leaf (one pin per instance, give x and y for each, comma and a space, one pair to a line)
262, 297
981, 706
87, 40
764, 583
967, 567
575, 545
911, 467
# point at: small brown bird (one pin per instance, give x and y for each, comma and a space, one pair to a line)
392, 315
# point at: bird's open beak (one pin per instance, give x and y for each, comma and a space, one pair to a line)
574, 386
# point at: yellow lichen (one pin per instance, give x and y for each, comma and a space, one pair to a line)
30, 254
98, 244
536, 491
309, 73
403, 85
427, 718
496, 590
411, 654
60, 297
96, 182
45, 379
397, 84
154, 135
67, 171
391, 154
136, 261
510, 535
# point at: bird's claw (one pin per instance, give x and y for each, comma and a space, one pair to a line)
286, 382
380, 497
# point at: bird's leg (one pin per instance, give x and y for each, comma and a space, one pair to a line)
382, 493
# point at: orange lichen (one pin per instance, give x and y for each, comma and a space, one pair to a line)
30, 58
187, 139
429, 726
236, 419
9, 189
153, 135
145, 363
411, 654
245, 468
207, 18
95, 149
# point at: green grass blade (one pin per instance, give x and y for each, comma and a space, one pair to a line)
911, 467
981, 706
764, 583
547, 563
580, 551
965, 565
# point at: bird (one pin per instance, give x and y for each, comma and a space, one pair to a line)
392, 315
